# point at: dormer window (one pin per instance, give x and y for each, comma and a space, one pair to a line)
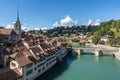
30, 58
13, 64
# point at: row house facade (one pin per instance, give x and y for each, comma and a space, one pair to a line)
31, 57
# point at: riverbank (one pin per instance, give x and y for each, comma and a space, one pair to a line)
86, 67
117, 55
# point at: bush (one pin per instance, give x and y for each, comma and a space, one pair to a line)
69, 45
101, 42
76, 40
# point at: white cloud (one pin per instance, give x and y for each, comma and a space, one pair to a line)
9, 26
56, 24
67, 22
13, 22
97, 22
36, 28
91, 22
25, 28
44, 28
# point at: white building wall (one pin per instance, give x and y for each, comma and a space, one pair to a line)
43, 68
36, 73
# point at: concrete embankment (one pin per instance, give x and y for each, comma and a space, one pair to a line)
117, 55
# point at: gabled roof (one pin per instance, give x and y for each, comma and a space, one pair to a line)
9, 50
83, 40
37, 52
13, 74
23, 59
13, 32
44, 46
7, 31
20, 46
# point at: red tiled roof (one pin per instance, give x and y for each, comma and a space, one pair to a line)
13, 74
37, 51
44, 46
23, 57
5, 31
83, 40
13, 48
34, 39
20, 46
27, 38
59, 43
9, 50
51, 46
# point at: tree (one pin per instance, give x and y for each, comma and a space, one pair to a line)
112, 41
22, 34
101, 42
80, 43
96, 39
1, 37
111, 33
1, 27
62, 39
69, 45
76, 40
118, 24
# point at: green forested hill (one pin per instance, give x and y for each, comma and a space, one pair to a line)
111, 27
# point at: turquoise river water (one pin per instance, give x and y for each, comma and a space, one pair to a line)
84, 67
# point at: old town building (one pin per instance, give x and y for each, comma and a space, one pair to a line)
30, 57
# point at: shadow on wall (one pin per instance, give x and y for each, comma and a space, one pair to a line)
57, 70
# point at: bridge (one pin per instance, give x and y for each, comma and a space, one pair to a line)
97, 51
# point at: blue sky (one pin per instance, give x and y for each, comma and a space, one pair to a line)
44, 13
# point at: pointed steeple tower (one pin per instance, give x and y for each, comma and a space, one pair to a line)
18, 14
17, 24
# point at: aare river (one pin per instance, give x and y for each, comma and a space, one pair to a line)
84, 67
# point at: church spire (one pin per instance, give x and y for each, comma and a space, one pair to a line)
18, 13
17, 25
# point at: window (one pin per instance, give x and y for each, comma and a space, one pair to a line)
41, 59
35, 68
29, 65
42, 64
38, 65
12, 37
39, 70
43, 68
35, 63
30, 58
13, 64
29, 72
6, 37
